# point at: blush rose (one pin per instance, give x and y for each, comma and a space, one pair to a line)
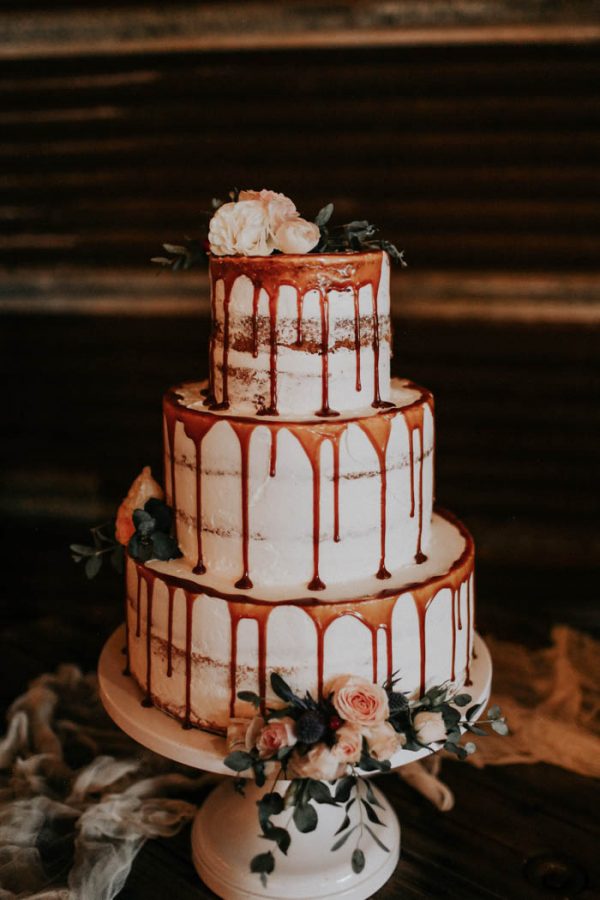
429, 727
240, 229
319, 763
358, 701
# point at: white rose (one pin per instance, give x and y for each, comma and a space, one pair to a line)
383, 740
240, 229
319, 763
296, 236
429, 727
278, 207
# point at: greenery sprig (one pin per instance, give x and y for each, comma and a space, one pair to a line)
104, 546
357, 235
152, 538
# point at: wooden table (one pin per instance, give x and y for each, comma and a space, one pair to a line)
515, 832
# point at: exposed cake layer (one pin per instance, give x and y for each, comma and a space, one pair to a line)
300, 334
306, 502
192, 648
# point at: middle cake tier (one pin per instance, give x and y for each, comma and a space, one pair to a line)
274, 501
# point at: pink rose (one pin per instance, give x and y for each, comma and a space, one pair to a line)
278, 207
319, 763
296, 236
240, 229
383, 741
143, 489
348, 744
358, 700
429, 727
276, 734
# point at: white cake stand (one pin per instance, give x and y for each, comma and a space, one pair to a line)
225, 831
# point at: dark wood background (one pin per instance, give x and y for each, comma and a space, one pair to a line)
469, 132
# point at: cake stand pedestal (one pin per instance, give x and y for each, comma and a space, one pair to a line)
225, 831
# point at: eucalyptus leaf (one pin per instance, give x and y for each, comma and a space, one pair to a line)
470, 748
344, 824
372, 815
494, 712
319, 792
476, 729
249, 697
269, 805
92, 566
341, 841
239, 761
161, 513
82, 550
305, 818
343, 788
358, 861
263, 864
462, 699
281, 836
324, 215
282, 689
500, 727
472, 712
377, 840
371, 794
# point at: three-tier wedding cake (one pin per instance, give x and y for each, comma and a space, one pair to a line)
301, 482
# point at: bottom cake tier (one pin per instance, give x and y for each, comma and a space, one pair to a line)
192, 646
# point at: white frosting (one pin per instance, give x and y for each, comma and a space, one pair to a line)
281, 507
299, 372
292, 640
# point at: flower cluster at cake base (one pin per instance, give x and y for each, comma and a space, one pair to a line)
324, 746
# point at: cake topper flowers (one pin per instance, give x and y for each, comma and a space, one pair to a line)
262, 223
354, 728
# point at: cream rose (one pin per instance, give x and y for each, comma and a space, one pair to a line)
236, 733
278, 207
240, 229
319, 763
358, 700
383, 740
143, 489
276, 734
252, 732
429, 727
296, 236
348, 743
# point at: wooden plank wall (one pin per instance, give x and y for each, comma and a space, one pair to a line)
480, 159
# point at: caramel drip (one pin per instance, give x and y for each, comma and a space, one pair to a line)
414, 418
260, 615
209, 400
127, 669
335, 444
311, 438
138, 625
189, 612
378, 403
356, 293
300, 308
171, 590
468, 681
255, 299
320, 273
224, 404
147, 701
171, 418
378, 430
197, 429
325, 411
273, 457
454, 598
244, 432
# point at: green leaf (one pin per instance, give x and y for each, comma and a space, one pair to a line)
269, 805
358, 861
282, 689
343, 788
319, 792
289, 798
239, 761
377, 840
281, 836
259, 772
344, 824
92, 566
143, 521
263, 864
472, 712
494, 712
249, 697
475, 729
176, 249
371, 794
500, 727
164, 546
305, 818
462, 699
324, 215
470, 748
82, 550
341, 841
372, 815
161, 513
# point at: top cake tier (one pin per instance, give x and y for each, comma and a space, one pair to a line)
300, 334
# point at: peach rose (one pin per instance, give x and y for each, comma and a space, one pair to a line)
348, 743
276, 734
296, 236
240, 229
383, 740
359, 701
278, 207
236, 733
319, 763
143, 489
429, 727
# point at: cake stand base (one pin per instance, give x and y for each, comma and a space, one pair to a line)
225, 831
225, 837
